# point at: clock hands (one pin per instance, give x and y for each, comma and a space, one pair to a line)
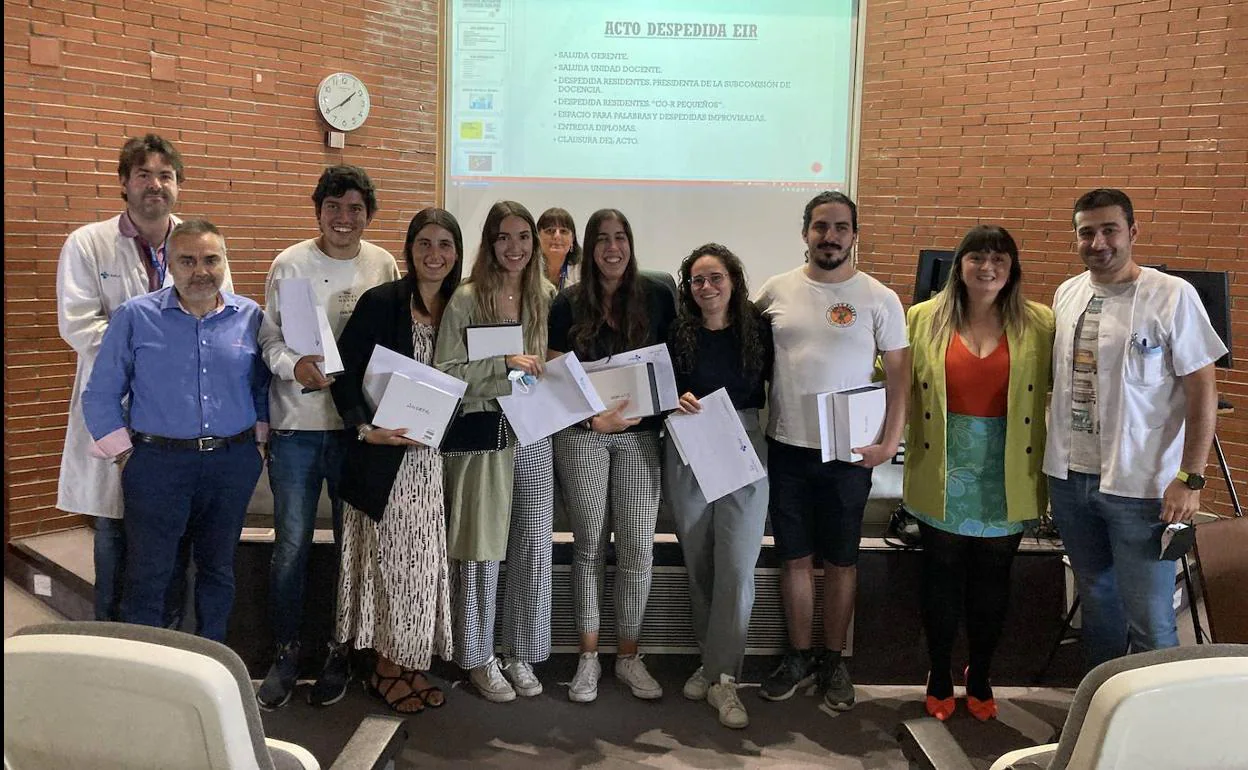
344, 101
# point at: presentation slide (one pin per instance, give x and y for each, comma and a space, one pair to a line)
691, 117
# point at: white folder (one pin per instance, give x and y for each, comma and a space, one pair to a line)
634, 383
715, 446
850, 418
305, 325
562, 396
664, 372
489, 340
384, 362
418, 406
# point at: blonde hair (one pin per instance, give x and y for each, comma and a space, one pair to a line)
950, 303
487, 279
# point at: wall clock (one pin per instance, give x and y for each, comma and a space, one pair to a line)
343, 101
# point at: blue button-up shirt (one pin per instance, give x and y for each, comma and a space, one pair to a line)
185, 377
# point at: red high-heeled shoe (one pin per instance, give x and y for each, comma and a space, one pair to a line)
940, 708
983, 710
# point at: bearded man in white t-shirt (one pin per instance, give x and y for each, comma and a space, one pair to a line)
307, 442
1130, 425
829, 322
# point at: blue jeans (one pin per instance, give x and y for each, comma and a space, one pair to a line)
1113, 544
110, 567
299, 462
172, 492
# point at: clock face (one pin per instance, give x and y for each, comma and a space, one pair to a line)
343, 101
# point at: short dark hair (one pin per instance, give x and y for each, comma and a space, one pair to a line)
829, 196
1103, 197
136, 149
557, 217
196, 227
338, 180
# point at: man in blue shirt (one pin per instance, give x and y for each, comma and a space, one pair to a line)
187, 358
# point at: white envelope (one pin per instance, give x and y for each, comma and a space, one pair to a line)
418, 406
634, 383
489, 340
384, 362
562, 396
715, 446
305, 324
664, 372
850, 418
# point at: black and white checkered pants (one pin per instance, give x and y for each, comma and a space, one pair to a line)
625, 470
526, 597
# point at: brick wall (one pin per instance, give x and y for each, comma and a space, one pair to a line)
995, 110
82, 75
1004, 111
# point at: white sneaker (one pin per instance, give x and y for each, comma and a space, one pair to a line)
489, 681
584, 687
632, 671
696, 686
522, 678
723, 698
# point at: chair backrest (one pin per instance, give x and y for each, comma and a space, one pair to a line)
1220, 553
1180, 707
113, 695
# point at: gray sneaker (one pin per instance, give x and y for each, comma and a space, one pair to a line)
840, 693
522, 678
632, 671
723, 698
584, 686
796, 669
491, 683
696, 686
279, 682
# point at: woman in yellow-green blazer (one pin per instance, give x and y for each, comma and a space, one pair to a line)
981, 373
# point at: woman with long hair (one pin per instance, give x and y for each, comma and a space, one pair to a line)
610, 459
974, 451
500, 504
719, 340
394, 585
556, 231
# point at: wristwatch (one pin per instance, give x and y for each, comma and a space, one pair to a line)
363, 431
1192, 480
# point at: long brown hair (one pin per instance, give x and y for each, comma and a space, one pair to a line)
951, 301
444, 219
742, 317
629, 316
487, 278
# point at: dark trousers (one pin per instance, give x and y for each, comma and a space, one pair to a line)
172, 492
110, 566
971, 574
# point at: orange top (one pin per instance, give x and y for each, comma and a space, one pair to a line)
978, 387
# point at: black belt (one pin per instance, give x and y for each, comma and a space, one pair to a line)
202, 444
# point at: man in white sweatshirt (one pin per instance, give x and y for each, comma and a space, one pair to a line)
306, 444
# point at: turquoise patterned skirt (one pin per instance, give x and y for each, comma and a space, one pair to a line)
975, 479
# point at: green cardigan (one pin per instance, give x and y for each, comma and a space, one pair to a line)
477, 487
1031, 364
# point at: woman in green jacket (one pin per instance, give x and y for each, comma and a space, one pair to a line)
500, 504
981, 371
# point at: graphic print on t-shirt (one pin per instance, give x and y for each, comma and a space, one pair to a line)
1085, 450
842, 315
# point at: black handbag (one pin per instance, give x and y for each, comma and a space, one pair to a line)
472, 433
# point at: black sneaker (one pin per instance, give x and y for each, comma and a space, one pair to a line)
795, 670
279, 683
840, 690
331, 685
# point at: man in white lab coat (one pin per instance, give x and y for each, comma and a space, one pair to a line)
101, 266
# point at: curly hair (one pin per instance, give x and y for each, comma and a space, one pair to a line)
743, 318
628, 315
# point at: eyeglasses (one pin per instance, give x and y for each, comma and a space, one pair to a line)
557, 231
714, 279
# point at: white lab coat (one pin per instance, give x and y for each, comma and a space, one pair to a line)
98, 270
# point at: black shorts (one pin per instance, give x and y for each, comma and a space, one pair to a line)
816, 508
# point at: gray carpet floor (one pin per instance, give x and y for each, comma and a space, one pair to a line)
619, 731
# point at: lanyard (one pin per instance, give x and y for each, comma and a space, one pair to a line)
563, 273
153, 256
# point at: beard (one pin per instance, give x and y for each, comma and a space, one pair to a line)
829, 260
